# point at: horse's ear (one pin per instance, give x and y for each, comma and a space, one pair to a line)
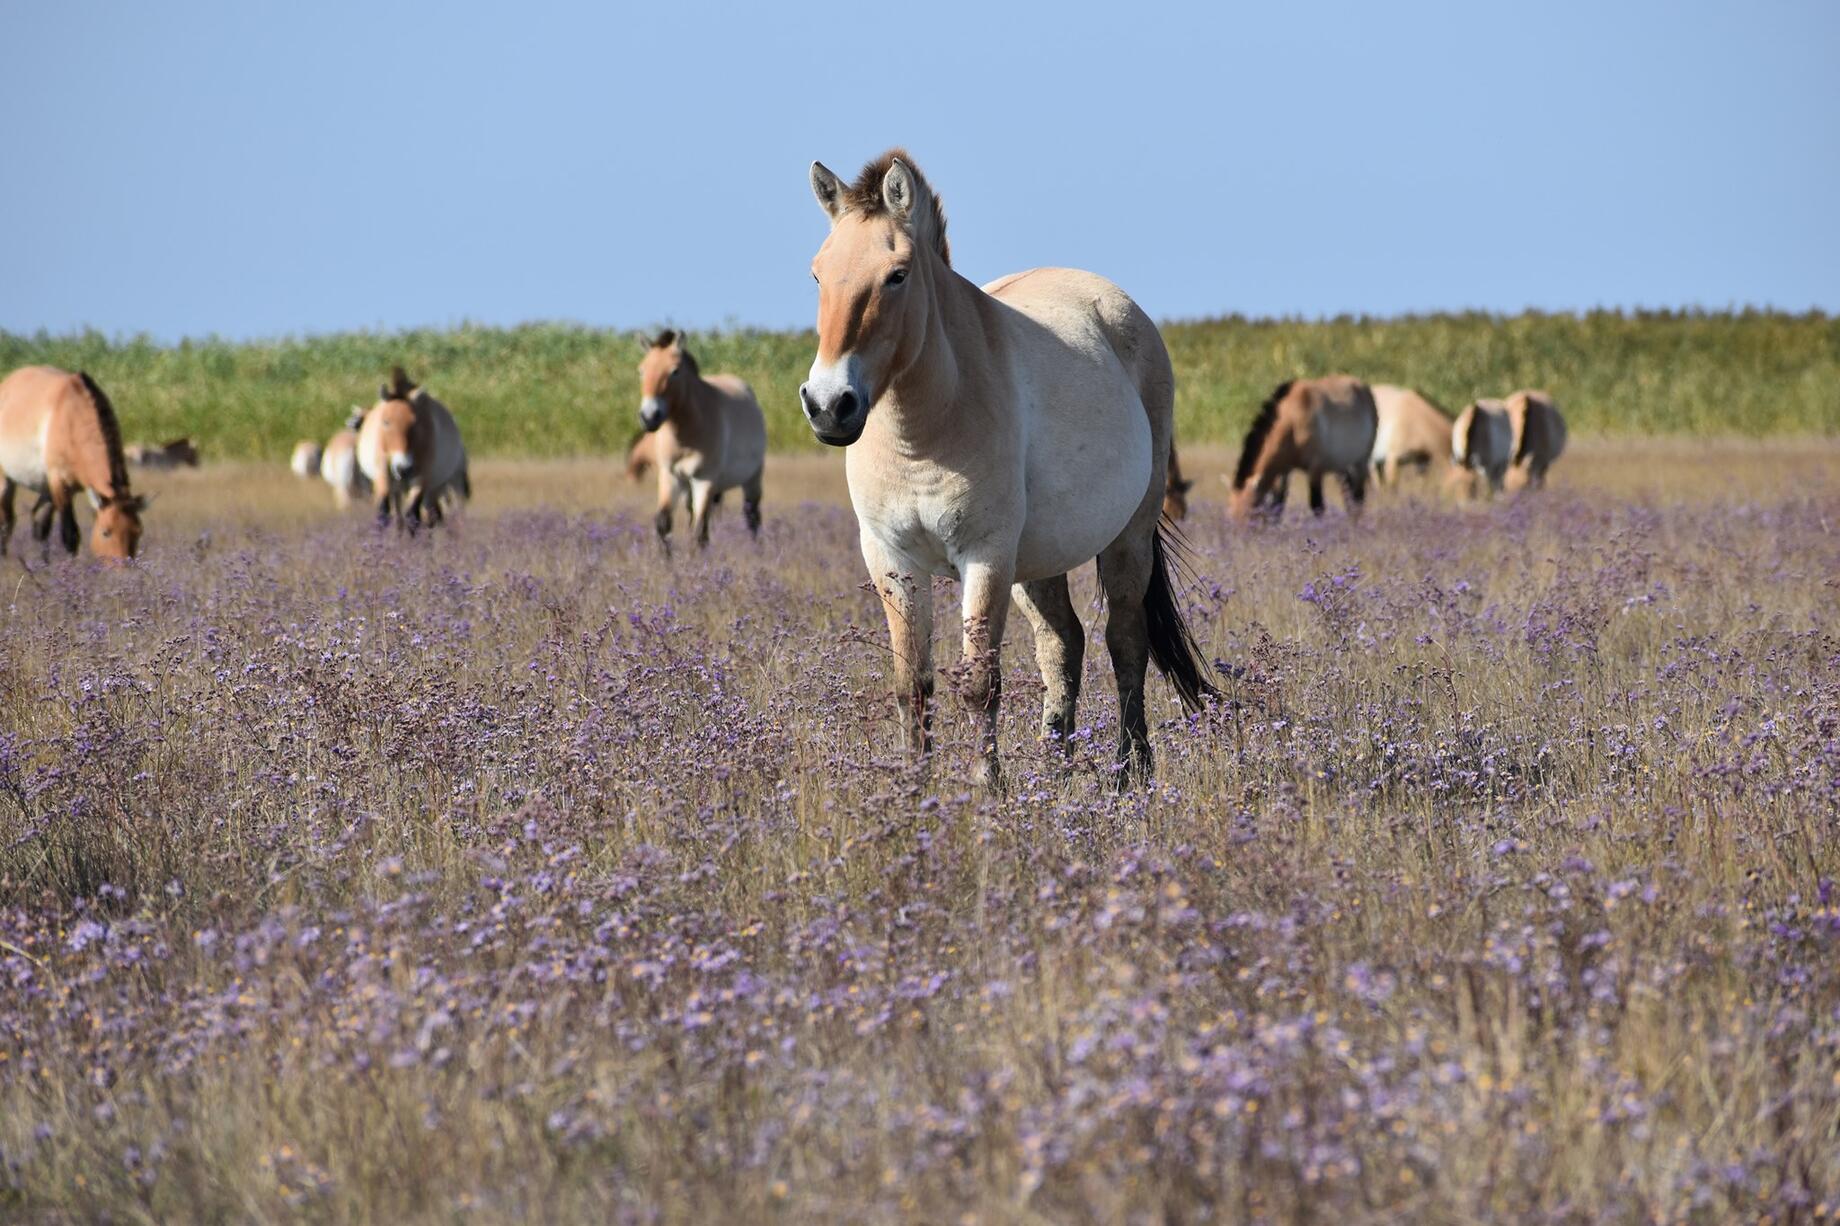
96, 501
677, 341
829, 191
383, 391
899, 190
1182, 487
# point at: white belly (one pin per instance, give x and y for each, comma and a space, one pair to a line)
23, 460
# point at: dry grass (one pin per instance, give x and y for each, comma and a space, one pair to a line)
513, 873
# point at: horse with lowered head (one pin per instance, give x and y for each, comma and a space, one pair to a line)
409, 450
1539, 437
1413, 430
1322, 426
1482, 446
1002, 436
59, 436
707, 436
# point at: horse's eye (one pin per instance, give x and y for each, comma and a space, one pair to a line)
897, 276
108, 532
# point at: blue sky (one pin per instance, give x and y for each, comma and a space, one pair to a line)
255, 170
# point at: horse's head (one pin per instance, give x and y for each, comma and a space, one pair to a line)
666, 367
876, 275
117, 530
399, 427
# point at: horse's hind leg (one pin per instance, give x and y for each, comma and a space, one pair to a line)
7, 516
43, 513
1316, 494
68, 535
1124, 572
750, 505
1060, 650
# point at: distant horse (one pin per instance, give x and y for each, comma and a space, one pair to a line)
338, 463
1003, 436
176, 453
1482, 444
409, 448
1322, 426
1539, 437
707, 436
58, 435
306, 458
1175, 488
1411, 430
639, 456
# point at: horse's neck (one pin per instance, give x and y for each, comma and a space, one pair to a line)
692, 408
90, 459
957, 351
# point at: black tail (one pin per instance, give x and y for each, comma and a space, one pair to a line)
1172, 646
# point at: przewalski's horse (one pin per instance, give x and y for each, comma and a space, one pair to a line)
1175, 488
175, 453
1001, 435
409, 449
1412, 430
1322, 426
58, 436
1482, 445
1539, 437
708, 436
338, 463
306, 458
639, 459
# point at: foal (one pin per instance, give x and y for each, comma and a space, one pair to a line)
1482, 445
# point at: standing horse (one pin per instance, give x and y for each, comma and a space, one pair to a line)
1411, 430
1539, 437
1321, 426
707, 436
1003, 436
409, 448
306, 458
1175, 488
338, 463
1482, 443
58, 435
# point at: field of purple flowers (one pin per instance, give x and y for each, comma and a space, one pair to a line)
514, 873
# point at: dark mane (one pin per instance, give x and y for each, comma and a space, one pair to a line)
400, 384
1255, 436
865, 196
111, 436
671, 336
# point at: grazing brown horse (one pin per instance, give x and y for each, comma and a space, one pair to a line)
1482, 445
707, 436
59, 436
1003, 436
409, 449
177, 453
1175, 488
1412, 429
1322, 426
1539, 437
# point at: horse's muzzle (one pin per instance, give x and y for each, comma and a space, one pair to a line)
652, 413
837, 418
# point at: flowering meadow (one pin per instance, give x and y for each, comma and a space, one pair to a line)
514, 873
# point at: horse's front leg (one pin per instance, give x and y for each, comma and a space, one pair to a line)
907, 601
43, 514
986, 606
702, 493
7, 491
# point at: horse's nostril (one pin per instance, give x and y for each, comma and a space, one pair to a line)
806, 402
846, 405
